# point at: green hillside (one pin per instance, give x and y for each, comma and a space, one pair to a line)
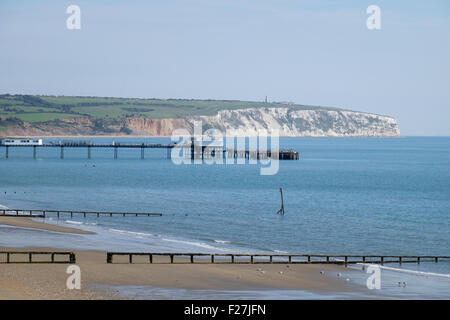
34, 108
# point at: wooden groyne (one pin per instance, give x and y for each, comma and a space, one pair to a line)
42, 213
44, 257
275, 258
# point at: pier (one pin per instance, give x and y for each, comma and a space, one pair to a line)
195, 152
44, 257
42, 213
273, 258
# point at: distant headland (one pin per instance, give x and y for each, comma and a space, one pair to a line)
46, 116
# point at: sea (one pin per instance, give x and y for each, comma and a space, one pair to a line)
386, 196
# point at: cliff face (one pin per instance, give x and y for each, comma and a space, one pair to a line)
290, 122
303, 123
154, 127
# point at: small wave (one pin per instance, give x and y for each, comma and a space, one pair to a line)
139, 234
196, 244
73, 222
419, 273
80, 223
280, 251
222, 241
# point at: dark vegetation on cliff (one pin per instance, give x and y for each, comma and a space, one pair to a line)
33, 108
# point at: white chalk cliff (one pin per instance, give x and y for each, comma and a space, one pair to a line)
293, 122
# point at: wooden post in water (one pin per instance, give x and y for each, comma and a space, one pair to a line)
192, 148
281, 211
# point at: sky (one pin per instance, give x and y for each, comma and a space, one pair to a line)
314, 52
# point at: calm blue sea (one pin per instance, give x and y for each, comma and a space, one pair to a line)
346, 195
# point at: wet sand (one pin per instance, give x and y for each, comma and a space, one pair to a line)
29, 223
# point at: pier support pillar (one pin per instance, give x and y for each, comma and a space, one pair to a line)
62, 153
142, 153
7, 152
115, 153
89, 152
34, 152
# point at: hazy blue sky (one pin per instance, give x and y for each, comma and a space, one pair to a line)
311, 52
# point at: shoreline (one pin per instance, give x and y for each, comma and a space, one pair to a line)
104, 281
48, 281
25, 222
183, 280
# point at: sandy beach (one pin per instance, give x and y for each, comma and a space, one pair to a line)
48, 281
29, 223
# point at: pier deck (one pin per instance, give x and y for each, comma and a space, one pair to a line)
202, 152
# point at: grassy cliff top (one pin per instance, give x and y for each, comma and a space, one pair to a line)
38, 108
